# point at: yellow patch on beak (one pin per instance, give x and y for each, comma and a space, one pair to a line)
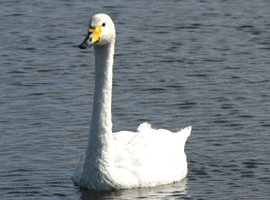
95, 33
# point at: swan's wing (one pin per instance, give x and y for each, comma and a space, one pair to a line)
147, 137
149, 152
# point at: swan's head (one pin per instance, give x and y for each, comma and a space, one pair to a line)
101, 31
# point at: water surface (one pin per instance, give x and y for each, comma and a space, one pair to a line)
199, 63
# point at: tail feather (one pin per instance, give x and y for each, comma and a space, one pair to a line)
186, 132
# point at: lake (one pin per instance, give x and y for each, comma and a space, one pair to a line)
177, 63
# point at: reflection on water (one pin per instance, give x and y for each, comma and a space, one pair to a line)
174, 191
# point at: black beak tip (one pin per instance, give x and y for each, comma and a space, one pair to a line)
83, 45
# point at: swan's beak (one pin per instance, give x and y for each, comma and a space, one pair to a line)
93, 36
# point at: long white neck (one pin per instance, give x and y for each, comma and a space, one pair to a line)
99, 159
101, 115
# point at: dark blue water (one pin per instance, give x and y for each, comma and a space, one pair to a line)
198, 63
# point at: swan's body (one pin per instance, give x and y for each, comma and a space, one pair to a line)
122, 160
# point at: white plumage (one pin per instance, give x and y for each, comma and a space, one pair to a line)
123, 160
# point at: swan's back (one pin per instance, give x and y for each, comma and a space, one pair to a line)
153, 157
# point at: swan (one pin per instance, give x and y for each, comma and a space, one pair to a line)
123, 160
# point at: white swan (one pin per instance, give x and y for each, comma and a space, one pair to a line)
122, 160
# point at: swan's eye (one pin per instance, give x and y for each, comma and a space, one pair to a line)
103, 24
